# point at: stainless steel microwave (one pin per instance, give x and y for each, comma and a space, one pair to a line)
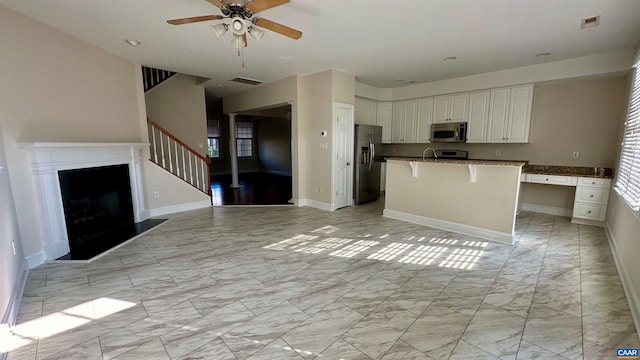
449, 132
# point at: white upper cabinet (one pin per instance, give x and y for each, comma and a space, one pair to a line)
365, 111
478, 116
424, 120
384, 120
403, 123
510, 115
520, 114
450, 108
498, 115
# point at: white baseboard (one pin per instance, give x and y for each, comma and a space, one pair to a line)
179, 208
36, 259
315, 204
551, 210
451, 226
633, 298
13, 307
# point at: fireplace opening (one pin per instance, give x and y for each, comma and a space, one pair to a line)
98, 209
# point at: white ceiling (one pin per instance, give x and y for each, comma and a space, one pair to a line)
380, 42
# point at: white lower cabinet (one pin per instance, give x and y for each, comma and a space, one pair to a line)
590, 204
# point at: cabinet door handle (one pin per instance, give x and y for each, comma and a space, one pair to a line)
589, 211
547, 179
591, 195
593, 183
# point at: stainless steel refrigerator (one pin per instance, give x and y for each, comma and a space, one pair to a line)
368, 144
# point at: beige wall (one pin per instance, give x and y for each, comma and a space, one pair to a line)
442, 191
315, 117
179, 106
173, 191
58, 89
11, 265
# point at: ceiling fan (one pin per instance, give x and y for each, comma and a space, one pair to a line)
241, 14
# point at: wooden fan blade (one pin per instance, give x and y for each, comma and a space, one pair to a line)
279, 28
218, 3
261, 5
244, 39
194, 19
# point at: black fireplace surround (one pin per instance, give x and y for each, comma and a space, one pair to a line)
98, 209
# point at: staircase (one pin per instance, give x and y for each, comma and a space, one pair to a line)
153, 77
173, 155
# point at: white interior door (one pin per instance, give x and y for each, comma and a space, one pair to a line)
343, 155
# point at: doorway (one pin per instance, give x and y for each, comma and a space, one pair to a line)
263, 145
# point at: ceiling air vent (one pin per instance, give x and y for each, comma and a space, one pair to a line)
590, 22
245, 80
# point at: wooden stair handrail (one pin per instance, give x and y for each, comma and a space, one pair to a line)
164, 131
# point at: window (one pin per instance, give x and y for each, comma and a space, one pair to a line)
628, 181
244, 139
213, 142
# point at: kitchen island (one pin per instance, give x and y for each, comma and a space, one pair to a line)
472, 197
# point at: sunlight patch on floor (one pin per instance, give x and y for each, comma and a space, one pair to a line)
390, 251
354, 249
462, 259
59, 322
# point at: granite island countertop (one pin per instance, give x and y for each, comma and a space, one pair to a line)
460, 162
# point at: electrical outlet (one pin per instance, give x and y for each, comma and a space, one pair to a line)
156, 194
576, 154
200, 145
498, 152
317, 189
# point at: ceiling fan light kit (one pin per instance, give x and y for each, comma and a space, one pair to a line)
255, 33
239, 15
219, 29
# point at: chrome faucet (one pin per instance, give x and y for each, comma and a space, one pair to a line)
424, 153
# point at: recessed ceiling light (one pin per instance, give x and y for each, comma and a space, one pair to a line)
590, 22
450, 58
220, 85
399, 81
132, 42
543, 54
410, 82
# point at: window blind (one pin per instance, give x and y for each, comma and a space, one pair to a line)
628, 180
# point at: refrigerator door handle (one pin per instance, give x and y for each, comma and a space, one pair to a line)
370, 153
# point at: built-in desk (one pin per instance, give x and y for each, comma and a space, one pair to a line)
592, 195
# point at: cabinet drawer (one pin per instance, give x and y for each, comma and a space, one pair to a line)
588, 211
594, 182
592, 195
551, 179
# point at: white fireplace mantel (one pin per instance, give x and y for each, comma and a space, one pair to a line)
47, 158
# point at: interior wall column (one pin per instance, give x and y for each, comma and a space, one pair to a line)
233, 151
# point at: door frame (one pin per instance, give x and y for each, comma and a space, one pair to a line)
334, 153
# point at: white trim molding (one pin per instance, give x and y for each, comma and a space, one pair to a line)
13, 307
36, 259
487, 234
172, 209
315, 204
633, 298
543, 209
47, 158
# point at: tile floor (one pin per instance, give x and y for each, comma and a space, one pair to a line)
300, 283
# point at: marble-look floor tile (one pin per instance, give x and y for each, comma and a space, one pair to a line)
150, 350
256, 333
528, 351
292, 285
466, 351
403, 351
555, 331
342, 350
375, 334
322, 329
437, 331
495, 331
